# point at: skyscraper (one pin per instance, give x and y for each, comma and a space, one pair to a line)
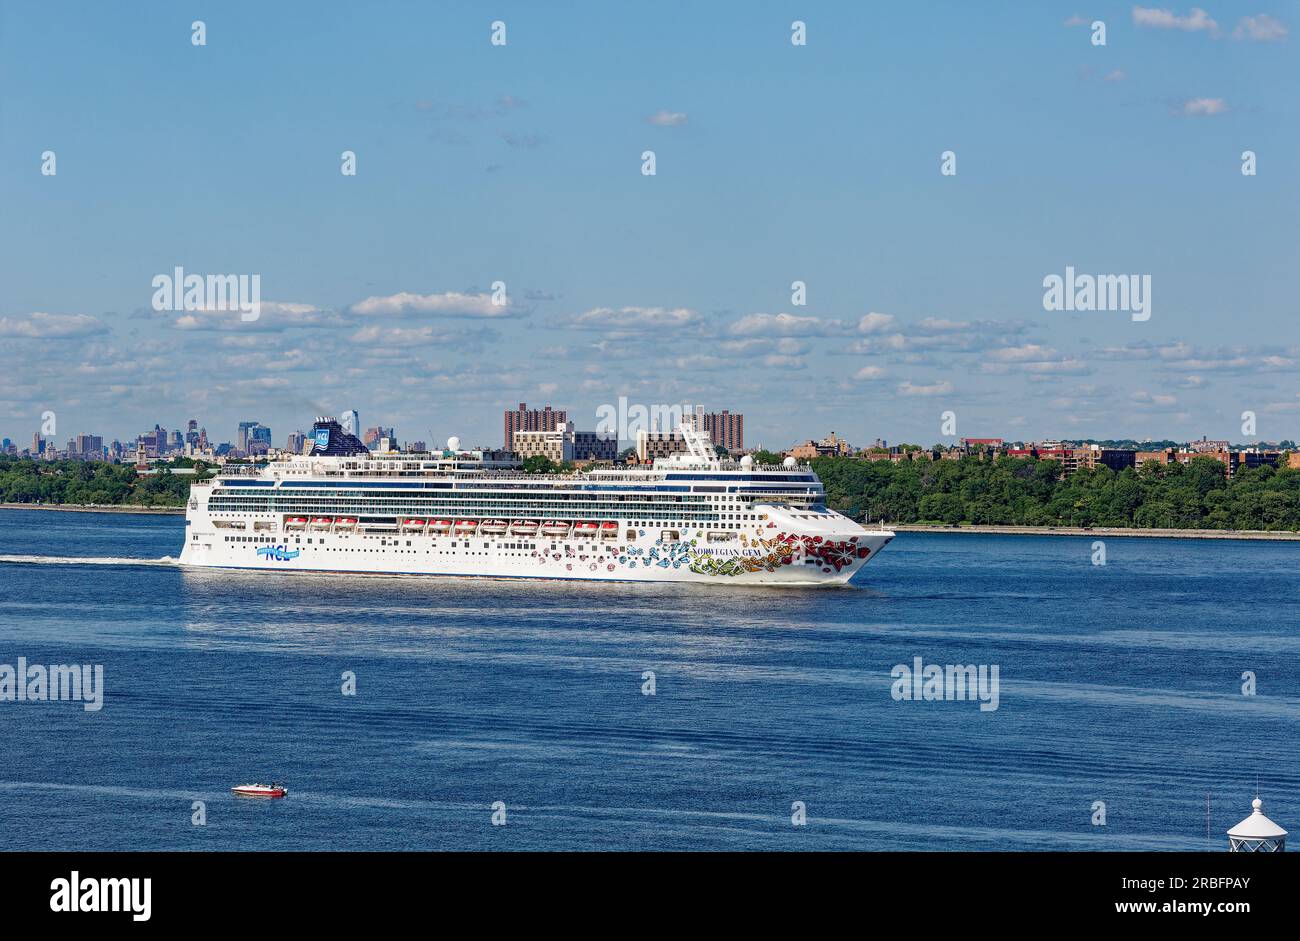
531, 419
723, 428
241, 441
259, 439
90, 447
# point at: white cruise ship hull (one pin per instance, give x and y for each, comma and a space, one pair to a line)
773, 555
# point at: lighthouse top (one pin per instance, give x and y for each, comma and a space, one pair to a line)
1257, 826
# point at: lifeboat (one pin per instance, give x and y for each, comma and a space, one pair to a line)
466, 526
440, 526
295, 521
345, 521
413, 524
260, 790
524, 527
494, 527
609, 528
586, 528
555, 528
321, 522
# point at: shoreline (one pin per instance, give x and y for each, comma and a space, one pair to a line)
1249, 534
82, 508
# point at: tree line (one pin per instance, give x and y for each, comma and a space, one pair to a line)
23, 480
1031, 492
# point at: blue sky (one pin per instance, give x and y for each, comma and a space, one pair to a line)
775, 163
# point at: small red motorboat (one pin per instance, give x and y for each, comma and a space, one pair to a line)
260, 790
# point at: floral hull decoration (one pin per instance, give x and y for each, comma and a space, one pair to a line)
755, 555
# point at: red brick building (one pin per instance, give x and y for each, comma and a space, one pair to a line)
531, 419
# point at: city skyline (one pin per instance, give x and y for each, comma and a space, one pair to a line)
196, 433
819, 164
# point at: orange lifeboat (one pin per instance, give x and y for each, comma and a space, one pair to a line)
466, 526
440, 526
321, 522
586, 528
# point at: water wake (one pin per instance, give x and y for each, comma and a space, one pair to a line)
86, 560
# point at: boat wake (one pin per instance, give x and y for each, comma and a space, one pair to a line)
87, 560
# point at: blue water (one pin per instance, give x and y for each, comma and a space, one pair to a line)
1119, 683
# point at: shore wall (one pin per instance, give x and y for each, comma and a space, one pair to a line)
1099, 532
116, 508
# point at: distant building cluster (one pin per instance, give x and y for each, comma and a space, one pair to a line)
547, 432
566, 443
1072, 456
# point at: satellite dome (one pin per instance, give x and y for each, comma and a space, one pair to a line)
789, 462
747, 461
453, 443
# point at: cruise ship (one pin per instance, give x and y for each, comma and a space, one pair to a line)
690, 517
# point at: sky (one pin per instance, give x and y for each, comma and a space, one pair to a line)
522, 165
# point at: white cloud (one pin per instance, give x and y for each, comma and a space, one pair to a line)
1204, 106
1196, 21
749, 347
1029, 352
698, 361
875, 323
1059, 367
636, 318
271, 315
404, 337
447, 304
1118, 75
663, 118
1076, 20
777, 361
1159, 399
787, 325
942, 325
1261, 28
938, 388
43, 326
869, 373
